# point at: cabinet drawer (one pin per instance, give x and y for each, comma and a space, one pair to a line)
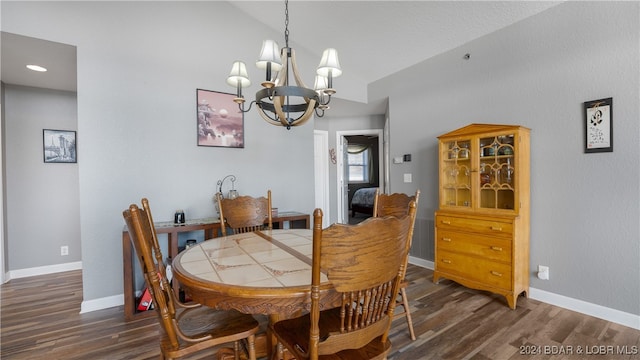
489, 227
481, 270
492, 248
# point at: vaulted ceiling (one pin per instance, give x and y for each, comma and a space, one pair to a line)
374, 38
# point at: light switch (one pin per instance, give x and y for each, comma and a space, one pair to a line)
397, 160
407, 178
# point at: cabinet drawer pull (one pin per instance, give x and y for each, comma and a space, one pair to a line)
495, 273
446, 222
496, 248
446, 261
446, 239
496, 228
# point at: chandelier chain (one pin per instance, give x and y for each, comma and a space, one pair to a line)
286, 23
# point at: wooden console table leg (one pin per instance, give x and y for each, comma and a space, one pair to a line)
129, 298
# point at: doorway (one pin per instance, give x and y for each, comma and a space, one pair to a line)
346, 189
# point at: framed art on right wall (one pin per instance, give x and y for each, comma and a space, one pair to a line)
598, 123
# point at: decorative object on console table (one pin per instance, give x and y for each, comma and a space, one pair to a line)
598, 124
178, 217
233, 193
482, 224
219, 123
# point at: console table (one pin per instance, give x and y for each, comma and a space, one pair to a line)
210, 226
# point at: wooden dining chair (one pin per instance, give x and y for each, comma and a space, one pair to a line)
245, 213
363, 263
397, 204
184, 330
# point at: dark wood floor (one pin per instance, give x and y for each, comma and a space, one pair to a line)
41, 320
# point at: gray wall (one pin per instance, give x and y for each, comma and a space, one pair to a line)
537, 73
139, 65
43, 199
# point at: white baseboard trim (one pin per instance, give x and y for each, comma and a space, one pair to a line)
43, 270
601, 312
101, 303
421, 262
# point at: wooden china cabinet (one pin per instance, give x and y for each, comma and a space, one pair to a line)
482, 223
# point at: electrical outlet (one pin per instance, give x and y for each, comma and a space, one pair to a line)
64, 250
543, 272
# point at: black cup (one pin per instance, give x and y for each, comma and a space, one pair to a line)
178, 218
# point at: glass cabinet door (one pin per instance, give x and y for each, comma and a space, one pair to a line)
497, 172
456, 173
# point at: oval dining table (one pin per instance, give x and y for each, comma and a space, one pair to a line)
264, 272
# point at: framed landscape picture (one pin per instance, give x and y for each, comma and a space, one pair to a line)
59, 146
219, 120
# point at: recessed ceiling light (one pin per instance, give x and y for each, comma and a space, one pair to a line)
36, 68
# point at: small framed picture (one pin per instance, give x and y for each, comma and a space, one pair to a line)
219, 120
598, 124
59, 146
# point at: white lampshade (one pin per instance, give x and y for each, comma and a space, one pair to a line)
270, 53
329, 62
238, 75
321, 83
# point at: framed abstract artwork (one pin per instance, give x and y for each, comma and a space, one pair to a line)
598, 124
59, 146
219, 121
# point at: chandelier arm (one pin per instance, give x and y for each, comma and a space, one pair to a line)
241, 107
277, 103
267, 118
319, 112
323, 96
310, 110
299, 120
281, 79
294, 67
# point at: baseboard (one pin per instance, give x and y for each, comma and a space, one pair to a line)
43, 270
598, 311
421, 262
101, 303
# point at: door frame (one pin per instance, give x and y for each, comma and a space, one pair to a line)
342, 216
321, 176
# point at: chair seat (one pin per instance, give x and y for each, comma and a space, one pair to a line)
223, 326
296, 332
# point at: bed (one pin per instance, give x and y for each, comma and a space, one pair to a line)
362, 201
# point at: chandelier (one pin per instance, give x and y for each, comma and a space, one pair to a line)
279, 102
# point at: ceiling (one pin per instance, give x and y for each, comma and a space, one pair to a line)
20, 51
398, 33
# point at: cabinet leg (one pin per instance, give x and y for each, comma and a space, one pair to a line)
512, 299
436, 278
